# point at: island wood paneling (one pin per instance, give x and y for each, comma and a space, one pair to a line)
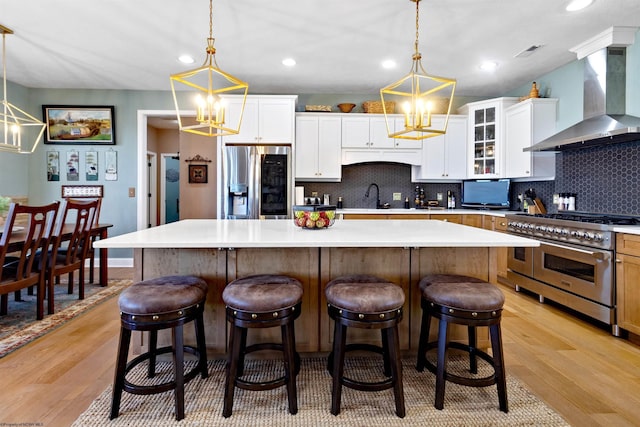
315, 267
300, 263
391, 264
209, 264
474, 262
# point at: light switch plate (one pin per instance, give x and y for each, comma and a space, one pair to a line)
439, 197
397, 196
132, 191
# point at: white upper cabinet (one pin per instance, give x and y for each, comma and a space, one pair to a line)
528, 123
486, 141
267, 119
365, 138
318, 147
365, 131
444, 157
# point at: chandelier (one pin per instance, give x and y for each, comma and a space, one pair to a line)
13, 120
419, 94
206, 89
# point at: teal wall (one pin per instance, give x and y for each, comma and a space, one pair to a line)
14, 168
566, 84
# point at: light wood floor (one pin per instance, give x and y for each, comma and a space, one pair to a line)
582, 371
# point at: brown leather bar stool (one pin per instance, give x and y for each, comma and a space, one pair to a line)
262, 301
367, 302
152, 305
466, 301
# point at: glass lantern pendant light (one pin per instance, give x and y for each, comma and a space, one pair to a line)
420, 95
206, 87
13, 120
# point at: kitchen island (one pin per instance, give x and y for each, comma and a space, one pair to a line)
401, 251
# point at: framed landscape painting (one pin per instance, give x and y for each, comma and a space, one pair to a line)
88, 125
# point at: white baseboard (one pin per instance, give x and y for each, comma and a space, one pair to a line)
113, 262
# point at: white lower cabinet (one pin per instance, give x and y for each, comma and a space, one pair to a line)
318, 147
444, 157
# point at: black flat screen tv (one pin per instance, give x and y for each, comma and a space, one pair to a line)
486, 194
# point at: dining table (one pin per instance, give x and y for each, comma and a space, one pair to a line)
98, 231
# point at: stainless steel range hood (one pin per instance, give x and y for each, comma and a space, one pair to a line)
605, 121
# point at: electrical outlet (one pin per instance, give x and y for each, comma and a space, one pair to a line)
132, 191
439, 197
397, 196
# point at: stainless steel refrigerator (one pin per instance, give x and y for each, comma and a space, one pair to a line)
258, 182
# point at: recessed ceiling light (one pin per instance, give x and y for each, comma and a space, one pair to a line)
389, 64
186, 59
288, 62
576, 5
489, 65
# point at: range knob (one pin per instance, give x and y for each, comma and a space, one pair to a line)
598, 237
589, 236
577, 234
563, 232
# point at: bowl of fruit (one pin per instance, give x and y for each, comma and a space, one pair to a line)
314, 217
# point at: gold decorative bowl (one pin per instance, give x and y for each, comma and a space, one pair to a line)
346, 108
314, 217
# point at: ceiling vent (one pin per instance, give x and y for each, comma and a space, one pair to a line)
528, 51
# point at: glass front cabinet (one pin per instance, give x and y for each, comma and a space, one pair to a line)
486, 156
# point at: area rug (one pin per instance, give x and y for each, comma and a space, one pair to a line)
463, 406
19, 326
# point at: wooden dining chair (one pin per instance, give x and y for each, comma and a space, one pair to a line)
93, 237
26, 270
69, 247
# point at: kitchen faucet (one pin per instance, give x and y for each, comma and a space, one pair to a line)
373, 184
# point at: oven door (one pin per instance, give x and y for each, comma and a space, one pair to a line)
585, 272
520, 260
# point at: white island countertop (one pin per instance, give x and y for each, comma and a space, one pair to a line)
211, 233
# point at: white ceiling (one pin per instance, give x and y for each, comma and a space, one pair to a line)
338, 44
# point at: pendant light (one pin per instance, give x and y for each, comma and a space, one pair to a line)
419, 94
13, 120
205, 88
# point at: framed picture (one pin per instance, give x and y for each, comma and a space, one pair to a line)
91, 125
197, 174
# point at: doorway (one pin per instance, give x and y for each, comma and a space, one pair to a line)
152, 185
164, 119
170, 188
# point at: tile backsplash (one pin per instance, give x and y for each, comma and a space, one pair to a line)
605, 178
390, 178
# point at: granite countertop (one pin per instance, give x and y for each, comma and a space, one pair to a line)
211, 233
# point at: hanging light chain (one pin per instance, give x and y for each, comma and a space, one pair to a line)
210, 19
417, 26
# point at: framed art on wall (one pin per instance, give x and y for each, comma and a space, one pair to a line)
91, 165
111, 165
197, 174
88, 125
73, 163
53, 166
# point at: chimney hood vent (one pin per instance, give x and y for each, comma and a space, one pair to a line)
605, 121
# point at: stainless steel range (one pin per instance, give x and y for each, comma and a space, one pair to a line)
574, 265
